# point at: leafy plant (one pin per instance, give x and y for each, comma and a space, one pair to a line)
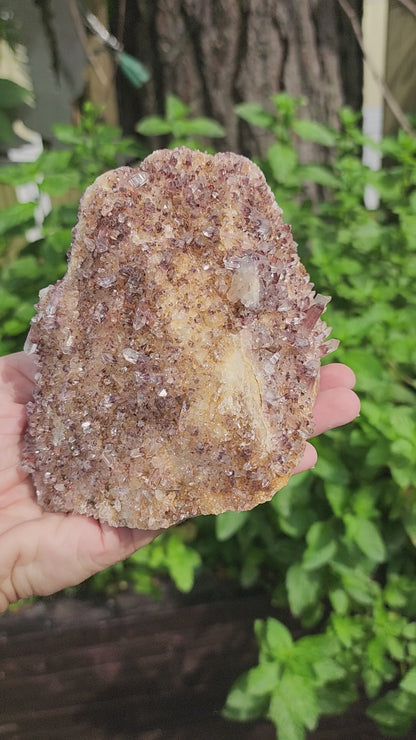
182, 129
349, 526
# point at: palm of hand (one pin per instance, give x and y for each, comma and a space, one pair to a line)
42, 552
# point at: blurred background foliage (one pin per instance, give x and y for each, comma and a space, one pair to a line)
336, 547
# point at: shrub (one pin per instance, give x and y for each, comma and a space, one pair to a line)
336, 547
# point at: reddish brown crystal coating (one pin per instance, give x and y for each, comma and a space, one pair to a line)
178, 358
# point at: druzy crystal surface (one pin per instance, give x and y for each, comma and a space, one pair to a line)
178, 359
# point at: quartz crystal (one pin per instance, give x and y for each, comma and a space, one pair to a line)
178, 359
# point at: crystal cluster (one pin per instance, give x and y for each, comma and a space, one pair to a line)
178, 359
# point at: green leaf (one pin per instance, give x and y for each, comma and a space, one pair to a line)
335, 699
349, 630
182, 562
283, 160
395, 711
302, 588
330, 466
338, 496
57, 184
293, 506
364, 502
153, 126
317, 132
254, 114
402, 419
67, 134
278, 638
23, 269
311, 648
287, 105
15, 215
320, 174
366, 535
18, 174
262, 679
243, 706
198, 127
54, 161
8, 301
12, 95
367, 368
228, 523
408, 683
395, 648
14, 327
250, 570
328, 670
339, 600
297, 694
409, 632
322, 545
288, 726
176, 109
373, 681
274, 639
359, 586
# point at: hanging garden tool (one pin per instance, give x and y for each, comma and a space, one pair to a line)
131, 67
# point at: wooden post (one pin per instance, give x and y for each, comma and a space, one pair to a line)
374, 30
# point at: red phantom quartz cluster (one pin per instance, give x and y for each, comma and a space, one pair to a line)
178, 359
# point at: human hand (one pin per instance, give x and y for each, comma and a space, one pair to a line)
41, 552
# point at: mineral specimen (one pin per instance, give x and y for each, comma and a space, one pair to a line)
178, 358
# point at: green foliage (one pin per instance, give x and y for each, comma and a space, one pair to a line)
353, 519
87, 149
182, 129
292, 682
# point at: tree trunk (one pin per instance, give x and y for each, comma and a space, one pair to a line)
216, 53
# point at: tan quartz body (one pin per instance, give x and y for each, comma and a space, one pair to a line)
178, 358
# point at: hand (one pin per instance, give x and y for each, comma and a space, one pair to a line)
41, 552
336, 404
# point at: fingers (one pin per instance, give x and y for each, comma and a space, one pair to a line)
117, 543
336, 375
336, 404
308, 461
334, 408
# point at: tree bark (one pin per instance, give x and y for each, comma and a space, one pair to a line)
216, 53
